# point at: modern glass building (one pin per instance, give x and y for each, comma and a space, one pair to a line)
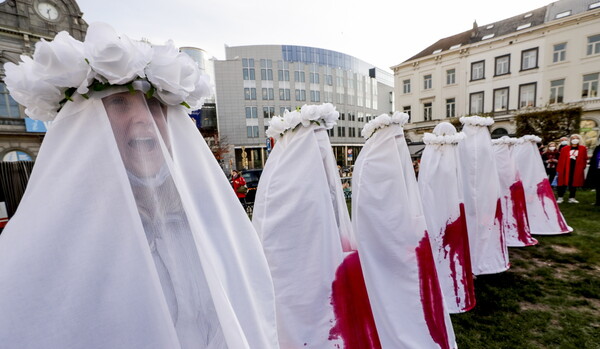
255, 83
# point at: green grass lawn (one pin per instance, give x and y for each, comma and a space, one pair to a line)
549, 298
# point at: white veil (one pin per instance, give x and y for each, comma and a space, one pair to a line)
514, 207
481, 186
301, 217
393, 244
440, 185
543, 212
129, 236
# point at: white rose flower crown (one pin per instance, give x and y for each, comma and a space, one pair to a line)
382, 121
323, 115
65, 66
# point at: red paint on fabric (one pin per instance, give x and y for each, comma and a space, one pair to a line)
519, 208
544, 191
431, 294
499, 219
354, 322
456, 244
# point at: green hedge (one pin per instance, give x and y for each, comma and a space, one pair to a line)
549, 124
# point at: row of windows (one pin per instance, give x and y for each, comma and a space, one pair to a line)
527, 97
268, 94
529, 60
269, 112
353, 132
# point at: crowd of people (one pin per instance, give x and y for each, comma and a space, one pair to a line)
568, 167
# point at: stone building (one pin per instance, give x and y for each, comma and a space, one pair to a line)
22, 24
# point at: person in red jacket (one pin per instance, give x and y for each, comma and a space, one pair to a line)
237, 181
570, 168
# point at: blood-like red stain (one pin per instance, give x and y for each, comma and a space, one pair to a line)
544, 191
500, 223
354, 322
519, 208
431, 294
456, 244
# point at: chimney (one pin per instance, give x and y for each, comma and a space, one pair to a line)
474, 31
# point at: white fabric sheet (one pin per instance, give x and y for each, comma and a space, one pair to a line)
481, 187
441, 191
514, 208
91, 261
394, 247
543, 212
301, 217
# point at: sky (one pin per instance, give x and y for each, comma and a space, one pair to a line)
383, 33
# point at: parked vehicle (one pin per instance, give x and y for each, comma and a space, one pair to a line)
252, 177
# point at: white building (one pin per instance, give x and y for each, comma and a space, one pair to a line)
546, 57
255, 83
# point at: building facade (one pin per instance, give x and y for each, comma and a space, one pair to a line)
545, 58
255, 83
22, 24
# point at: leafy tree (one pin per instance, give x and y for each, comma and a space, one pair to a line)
549, 123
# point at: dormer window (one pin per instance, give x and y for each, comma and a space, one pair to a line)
455, 46
528, 15
563, 14
489, 36
489, 26
594, 5
437, 51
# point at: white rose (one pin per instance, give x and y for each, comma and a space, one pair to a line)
117, 60
400, 118
277, 126
202, 89
174, 74
309, 113
329, 115
62, 63
292, 119
40, 98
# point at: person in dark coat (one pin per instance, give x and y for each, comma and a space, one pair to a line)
593, 176
570, 168
550, 157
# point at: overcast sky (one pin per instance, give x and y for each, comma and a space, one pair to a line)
381, 32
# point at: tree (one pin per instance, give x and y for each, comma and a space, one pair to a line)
549, 123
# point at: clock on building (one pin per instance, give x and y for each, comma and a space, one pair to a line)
47, 10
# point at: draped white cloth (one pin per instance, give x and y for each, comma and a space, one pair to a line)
302, 219
514, 208
440, 186
543, 212
128, 239
394, 246
481, 186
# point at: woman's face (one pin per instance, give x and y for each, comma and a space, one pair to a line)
132, 119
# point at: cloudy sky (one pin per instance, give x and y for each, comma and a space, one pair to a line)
381, 32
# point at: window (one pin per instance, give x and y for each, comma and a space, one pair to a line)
341, 131
8, 106
406, 109
529, 59
557, 91
282, 110
427, 82
314, 78
450, 107
450, 76
284, 94
351, 132
476, 103
249, 93
299, 76
500, 100
268, 112
251, 113
590, 86
502, 65
477, 70
268, 94
266, 69
593, 45
406, 86
300, 95
331, 132
252, 131
315, 96
560, 52
427, 111
563, 14
248, 68
527, 95
283, 74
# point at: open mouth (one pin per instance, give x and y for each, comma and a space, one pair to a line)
145, 144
